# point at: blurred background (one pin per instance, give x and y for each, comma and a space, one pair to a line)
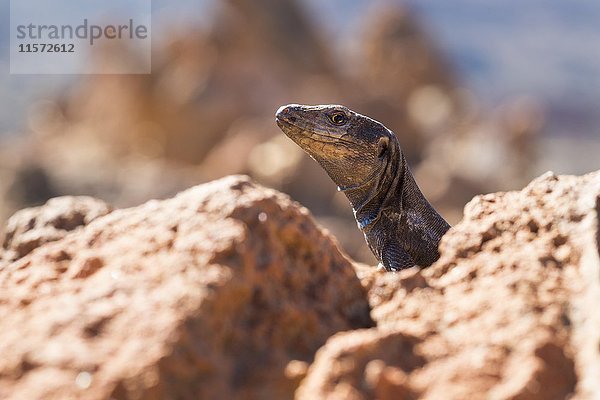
483, 96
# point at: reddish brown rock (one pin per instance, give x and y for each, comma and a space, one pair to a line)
225, 291
30, 228
359, 367
508, 312
229, 289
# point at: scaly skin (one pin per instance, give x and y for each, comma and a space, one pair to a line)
364, 159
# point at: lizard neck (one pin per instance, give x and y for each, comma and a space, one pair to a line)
372, 197
394, 195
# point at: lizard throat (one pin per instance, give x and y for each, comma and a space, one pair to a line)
370, 198
358, 186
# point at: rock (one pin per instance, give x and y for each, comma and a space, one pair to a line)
230, 290
30, 228
357, 367
508, 312
225, 291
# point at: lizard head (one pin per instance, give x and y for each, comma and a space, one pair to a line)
352, 148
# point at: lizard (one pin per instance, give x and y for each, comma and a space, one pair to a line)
365, 160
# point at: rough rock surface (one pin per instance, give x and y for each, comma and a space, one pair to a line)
229, 290
30, 228
510, 311
225, 291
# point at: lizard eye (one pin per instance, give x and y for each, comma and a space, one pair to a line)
338, 119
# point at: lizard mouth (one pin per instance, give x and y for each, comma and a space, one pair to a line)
283, 123
292, 130
288, 123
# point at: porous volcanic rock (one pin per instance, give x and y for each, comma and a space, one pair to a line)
229, 289
30, 228
225, 291
510, 311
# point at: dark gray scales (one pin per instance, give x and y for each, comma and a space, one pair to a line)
365, 160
